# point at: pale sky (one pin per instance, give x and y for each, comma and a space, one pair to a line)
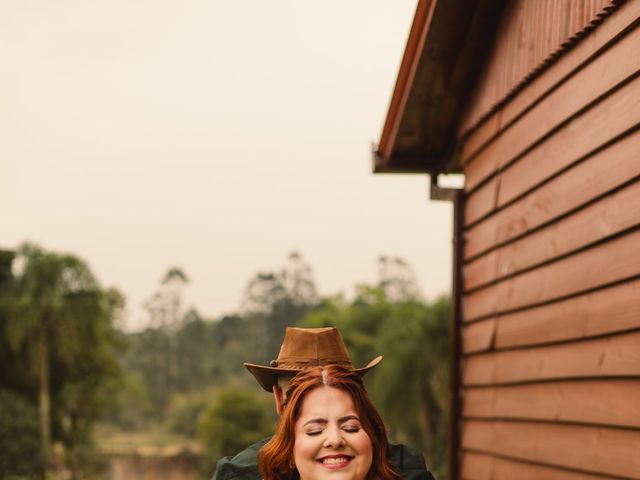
213, 135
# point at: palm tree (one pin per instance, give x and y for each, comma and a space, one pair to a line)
50, 303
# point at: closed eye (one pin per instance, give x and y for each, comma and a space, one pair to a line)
351, 428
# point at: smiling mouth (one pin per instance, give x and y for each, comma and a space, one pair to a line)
335, 462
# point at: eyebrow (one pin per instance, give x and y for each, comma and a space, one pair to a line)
323, 421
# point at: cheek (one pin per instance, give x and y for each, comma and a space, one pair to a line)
304, 448
363, 445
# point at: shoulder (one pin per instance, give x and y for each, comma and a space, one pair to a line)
243, 466
409, 462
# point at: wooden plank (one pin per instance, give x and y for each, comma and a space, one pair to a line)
482, 135
589, 269
618, 64
479, 336
482, 303
613, 214
587, 132
479, 170
484, 269
477, 466
611, 310
600, 402
589, 449
615, 356
605, 170
484, 201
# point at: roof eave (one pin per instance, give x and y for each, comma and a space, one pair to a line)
443, 55
402, 88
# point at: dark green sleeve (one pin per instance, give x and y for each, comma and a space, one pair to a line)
243, 466
409, 462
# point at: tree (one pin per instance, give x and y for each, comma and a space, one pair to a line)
293, 284
19, 436
275, 300
165, 305
297, 279
397, 279
262, 293
56, 318
234, 419
160, 343
414, 338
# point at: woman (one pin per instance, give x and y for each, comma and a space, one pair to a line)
328, 430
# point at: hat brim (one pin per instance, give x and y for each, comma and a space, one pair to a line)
267, 377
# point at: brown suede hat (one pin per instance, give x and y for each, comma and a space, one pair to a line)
304, 348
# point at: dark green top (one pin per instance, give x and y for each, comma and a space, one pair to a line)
409, 463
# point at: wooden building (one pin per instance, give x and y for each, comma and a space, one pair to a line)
537, 102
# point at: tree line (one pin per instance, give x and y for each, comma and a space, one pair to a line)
184, 373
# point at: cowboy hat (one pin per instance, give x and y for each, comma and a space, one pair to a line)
304, 348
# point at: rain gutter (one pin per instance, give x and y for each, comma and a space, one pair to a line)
456, 197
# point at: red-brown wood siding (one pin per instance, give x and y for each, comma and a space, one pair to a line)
551, 263
479, 466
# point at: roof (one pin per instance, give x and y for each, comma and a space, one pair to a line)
445, 50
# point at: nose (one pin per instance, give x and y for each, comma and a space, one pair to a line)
334, 438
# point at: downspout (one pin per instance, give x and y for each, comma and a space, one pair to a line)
456, 196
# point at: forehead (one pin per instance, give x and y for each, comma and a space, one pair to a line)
328, 403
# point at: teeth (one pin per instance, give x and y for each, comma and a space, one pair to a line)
334, 461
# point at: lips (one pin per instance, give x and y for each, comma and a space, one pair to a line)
334, 461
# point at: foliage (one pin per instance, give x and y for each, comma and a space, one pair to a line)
389, 318
181, 353
235, 419
185, 372
59, 343
129, 405
184, 412
205, 354
414, 338
198, 353
145, 358
19, 436
57, 324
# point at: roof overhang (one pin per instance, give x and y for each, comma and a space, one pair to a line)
447, 44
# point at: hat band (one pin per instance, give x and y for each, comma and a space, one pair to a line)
305, 362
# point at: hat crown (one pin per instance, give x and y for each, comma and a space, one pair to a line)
304, 348
307, 347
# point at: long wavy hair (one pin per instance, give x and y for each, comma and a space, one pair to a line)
275, 456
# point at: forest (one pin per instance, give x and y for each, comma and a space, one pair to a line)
77, 389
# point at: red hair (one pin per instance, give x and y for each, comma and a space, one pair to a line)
275, 456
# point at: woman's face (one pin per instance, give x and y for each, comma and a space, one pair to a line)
330, 443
